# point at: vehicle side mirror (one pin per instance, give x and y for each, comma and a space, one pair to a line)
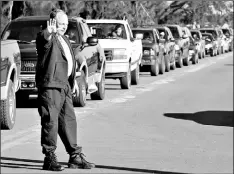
139, 36
162, 41
92, 41
185, 36
172, 39
132, 39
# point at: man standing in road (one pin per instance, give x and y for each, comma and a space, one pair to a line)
55, 79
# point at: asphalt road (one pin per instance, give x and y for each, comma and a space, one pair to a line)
181, 121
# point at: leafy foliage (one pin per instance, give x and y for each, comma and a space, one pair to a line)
136, 12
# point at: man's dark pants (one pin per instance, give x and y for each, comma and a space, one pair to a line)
57, 117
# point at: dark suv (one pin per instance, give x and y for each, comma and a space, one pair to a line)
86, 49
153, 53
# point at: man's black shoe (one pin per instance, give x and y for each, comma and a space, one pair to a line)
78, 161
51, 163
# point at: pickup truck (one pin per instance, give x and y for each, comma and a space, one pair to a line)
153, 59
89, 55
181, 44
10, 70
123, 54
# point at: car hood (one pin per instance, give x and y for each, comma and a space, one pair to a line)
28, 51
113, 43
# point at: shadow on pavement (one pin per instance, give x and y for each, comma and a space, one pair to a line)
228, 64
31, 103
39, 167
215, 118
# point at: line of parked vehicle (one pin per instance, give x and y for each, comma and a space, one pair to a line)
103, 48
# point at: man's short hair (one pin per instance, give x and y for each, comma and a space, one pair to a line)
55, 11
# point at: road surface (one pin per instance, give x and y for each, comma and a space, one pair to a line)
181, 121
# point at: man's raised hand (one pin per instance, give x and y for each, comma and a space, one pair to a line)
51, 26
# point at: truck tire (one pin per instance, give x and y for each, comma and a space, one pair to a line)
167, 63
135, 76
186, 61
180, 61
195, 59
8, 109
154, 69
125, 82
79, 100
100, 93
212, 53
162, 66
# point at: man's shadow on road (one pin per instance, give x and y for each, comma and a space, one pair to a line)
12, 164
215, 118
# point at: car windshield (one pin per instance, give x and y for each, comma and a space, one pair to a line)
213, 32
107, 30
207, 38
26, 31
195, 34
23, 30
174, 31
147, 35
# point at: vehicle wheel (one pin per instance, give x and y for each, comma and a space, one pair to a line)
212, 53
186, 61
173, 67
100, 93
154, 69
200, 55
135, 76
125, 82
195, 59
79, 99
167, 62
8, 109
180, 61
162, 66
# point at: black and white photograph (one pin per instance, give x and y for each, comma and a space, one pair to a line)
116, 86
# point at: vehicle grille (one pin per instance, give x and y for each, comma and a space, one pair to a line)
108, 54
28, 66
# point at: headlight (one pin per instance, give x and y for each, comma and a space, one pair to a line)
149, 52
177, 48
120, 54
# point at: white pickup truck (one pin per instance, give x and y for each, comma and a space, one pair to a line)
123, 53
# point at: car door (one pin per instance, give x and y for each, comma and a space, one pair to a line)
133, 44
